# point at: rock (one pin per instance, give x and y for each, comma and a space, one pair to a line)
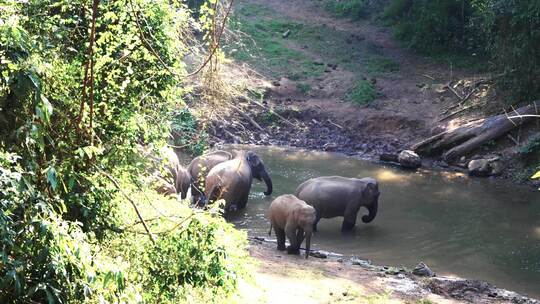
330, 147
319, 254
389, 157
360, 262
409, 159
423, 270
485, 167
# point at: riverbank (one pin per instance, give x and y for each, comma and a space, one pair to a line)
336, 85
332, 278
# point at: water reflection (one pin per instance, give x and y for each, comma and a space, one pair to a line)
473, 228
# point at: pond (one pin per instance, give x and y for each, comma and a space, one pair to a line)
472, 228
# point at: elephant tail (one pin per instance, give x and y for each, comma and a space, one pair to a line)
270, 231
213, 196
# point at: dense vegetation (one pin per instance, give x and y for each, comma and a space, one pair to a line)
507, 33
87, 92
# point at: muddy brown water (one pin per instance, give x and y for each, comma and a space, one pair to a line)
473, 228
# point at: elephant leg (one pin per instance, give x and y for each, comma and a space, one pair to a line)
349, 220
280, 235
243, 201
290, 231
299, 237
184, 191
317, 219
197, 196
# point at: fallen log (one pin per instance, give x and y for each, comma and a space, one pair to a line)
248, 118
467, 138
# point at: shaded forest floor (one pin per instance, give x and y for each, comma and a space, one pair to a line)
332, 84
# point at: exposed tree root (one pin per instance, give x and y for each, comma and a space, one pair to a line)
465, 139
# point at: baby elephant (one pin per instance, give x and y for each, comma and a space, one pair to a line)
294, 218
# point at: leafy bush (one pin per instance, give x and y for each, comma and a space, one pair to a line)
187, 133
363, 93
508, 32
44, 258
61, 148
193, 257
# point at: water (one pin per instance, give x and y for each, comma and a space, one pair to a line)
472, 228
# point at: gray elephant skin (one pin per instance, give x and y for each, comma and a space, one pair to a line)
333, 196
180, 175
231, 180
199, 167
294, 219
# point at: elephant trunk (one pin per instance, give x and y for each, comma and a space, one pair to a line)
372, 212
268, 182
308, 242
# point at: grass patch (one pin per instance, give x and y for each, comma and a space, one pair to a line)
354, 9
379, 64
362, 93
262, 45
304, 88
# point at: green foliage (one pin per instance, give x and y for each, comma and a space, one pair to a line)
505, 31
362, 93
347, 8
267, 49
532, 147
44, 258
193, 257
304, 88
57, 206
188, 133
379, 64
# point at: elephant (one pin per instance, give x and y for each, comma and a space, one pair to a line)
231, 180
293, 218
200, 166
180, 175
333, 196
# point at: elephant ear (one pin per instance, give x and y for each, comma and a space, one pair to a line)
253, 159
372, 189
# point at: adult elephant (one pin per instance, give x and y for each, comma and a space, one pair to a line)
199, 168
333, 196
231, 180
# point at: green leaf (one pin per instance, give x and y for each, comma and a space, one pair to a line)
52, 178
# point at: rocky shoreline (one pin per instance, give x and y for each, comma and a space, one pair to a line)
311, 129
416, 283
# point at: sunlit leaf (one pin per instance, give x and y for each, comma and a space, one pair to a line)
52, 178
537, 175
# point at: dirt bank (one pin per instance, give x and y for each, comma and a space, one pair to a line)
336, 85
282, 278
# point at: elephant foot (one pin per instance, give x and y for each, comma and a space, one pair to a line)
281, 248
291, 250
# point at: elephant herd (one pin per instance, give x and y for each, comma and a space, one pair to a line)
221, 175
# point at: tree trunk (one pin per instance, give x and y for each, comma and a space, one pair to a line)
465, 139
